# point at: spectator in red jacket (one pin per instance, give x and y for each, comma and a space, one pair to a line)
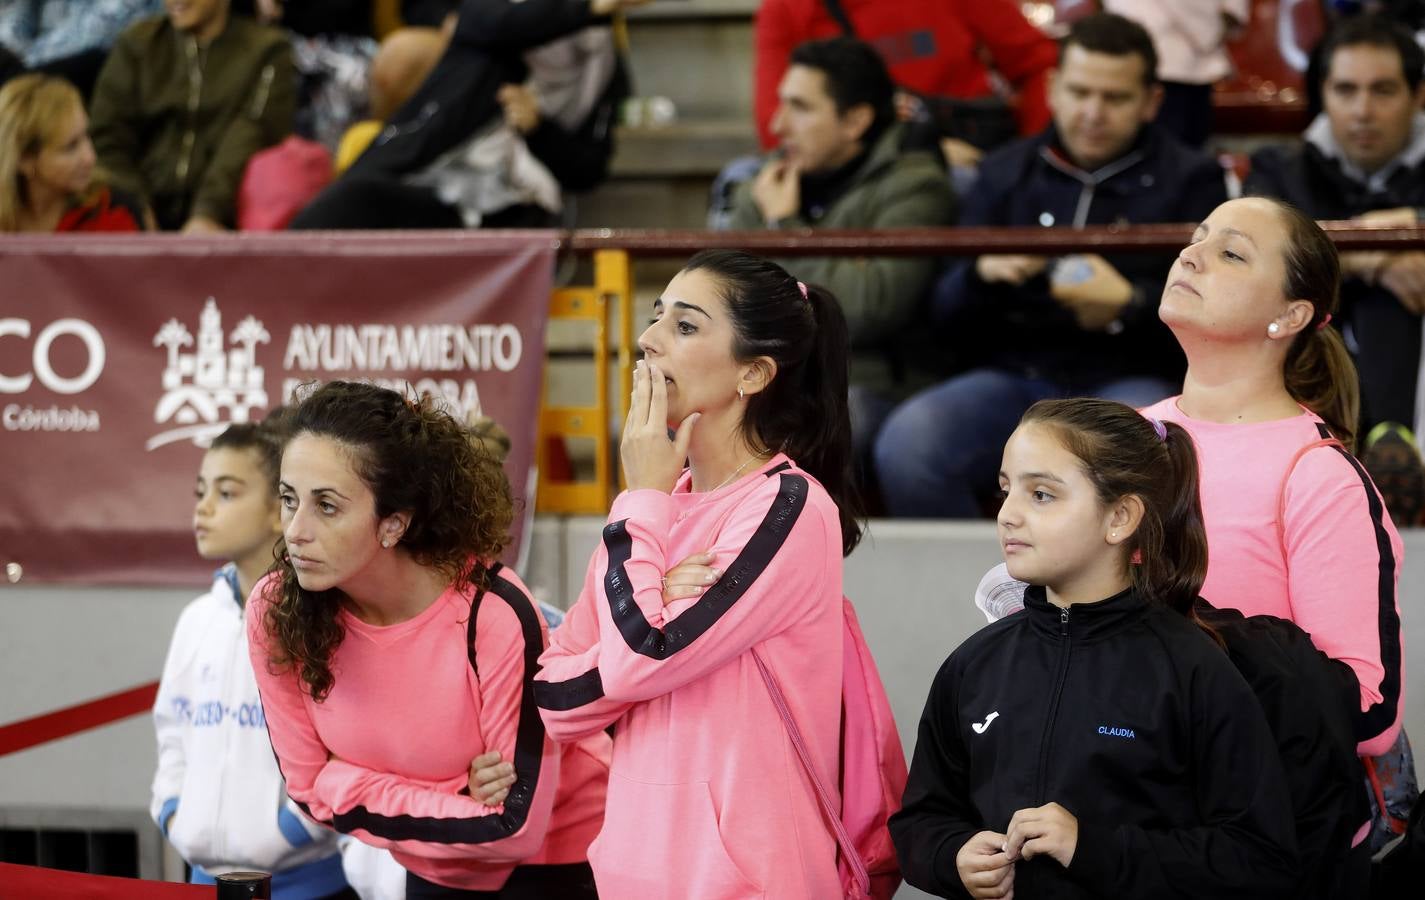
932, 49
48, 180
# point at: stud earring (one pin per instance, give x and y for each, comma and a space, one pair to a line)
1273, 328
385, 543
739, 394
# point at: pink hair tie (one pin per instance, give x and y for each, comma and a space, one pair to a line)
801, 286
1324, 322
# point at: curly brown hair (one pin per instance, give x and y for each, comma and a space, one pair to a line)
414, 458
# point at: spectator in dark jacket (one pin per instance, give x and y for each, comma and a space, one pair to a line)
1363, 158
1032, 327
448, 157
183, 102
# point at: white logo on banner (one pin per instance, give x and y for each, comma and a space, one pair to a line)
199, 387
24, 417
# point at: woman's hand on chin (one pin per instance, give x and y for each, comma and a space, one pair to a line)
650, 459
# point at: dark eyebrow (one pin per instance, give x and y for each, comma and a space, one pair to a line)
683, 305
315, 492
1034, 476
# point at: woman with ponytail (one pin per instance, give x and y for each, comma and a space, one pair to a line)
1297, 529
392, 652
747, 368
1101, 743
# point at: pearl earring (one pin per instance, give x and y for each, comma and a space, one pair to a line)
385, 543
1273, 328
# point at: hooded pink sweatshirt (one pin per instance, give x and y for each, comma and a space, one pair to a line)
386, 756
1328, 561
707, 799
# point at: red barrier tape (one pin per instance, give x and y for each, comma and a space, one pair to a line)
28, 733
34, 883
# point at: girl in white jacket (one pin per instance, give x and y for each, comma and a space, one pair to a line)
217, 795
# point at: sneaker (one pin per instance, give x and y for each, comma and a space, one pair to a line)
1393, 461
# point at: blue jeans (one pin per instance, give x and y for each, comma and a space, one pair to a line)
938, 454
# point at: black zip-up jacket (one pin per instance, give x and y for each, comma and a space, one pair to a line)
1132, 719
457, 99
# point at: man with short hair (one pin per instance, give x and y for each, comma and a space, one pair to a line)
183, 103
840, 164
1032, 327
1363, 158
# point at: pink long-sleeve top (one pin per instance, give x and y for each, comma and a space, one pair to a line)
1304, 536
707, 799
386, 755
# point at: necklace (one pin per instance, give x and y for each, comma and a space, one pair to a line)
735, 472
707, 495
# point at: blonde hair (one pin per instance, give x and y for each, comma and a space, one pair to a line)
31, 106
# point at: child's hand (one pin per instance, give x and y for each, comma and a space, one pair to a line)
490, 779
984, 868
1048, 830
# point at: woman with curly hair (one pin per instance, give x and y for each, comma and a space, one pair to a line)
391, 652
48, 181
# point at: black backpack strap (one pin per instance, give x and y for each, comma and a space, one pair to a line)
490, 573
839, 14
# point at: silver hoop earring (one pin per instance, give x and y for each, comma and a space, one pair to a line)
739, 394
1273, 328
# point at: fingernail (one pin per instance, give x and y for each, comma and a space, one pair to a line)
710, 577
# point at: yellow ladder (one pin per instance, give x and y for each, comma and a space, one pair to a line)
613, 281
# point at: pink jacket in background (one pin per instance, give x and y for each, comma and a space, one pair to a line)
386, 756
707, 799
1331, 564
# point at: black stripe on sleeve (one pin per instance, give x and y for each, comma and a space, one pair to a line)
529, 747
1380, 716
578, 691
763, 546
769, 537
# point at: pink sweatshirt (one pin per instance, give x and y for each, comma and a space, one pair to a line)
1335, 567
707, 800
386, 756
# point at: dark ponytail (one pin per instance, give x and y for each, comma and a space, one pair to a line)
1123, 455
803, 412
1318, 372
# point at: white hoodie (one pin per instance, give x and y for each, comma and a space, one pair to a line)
217, 795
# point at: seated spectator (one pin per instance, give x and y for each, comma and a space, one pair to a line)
182, 104
47, 177
933, 52
1363, 158
1034, 327
447, 158
840, 163
1192, 56
399, 67
69, 38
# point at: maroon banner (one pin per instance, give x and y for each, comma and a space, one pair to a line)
122, 357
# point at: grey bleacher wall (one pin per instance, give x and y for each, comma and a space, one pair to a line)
912, 583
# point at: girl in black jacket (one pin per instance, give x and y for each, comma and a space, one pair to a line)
1101, 743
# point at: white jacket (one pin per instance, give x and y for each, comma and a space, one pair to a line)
218, 795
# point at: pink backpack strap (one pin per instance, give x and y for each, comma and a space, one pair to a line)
1281, 495
843, 840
